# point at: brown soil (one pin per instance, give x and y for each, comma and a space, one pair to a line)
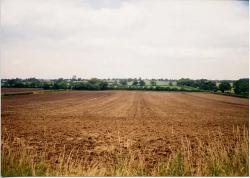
14, 90
99, 123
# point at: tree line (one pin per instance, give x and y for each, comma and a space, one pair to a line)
92, 84
239, 87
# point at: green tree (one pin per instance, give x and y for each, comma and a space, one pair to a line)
224, 86
60, 85
94, 81
135, 83
103, 85
15, 82
186, 82
123, 82
153, 82
130, 79
206, 85
60, 80
47, 86
79, 86
241, 86
141, 83
97, 84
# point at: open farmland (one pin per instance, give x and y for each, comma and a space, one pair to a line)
17, 90
124, 133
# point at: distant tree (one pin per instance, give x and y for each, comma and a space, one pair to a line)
206, 85
96, 84
224, 86
123, 82
241, 86
94, 80
60, 85
115, 83
103, 85
47, 86
186, 82
141, 83
15, 82
19, 85
135, 83
153, 82
170, 84
32, 80
60, 80
130, 79
79, 86
32, 83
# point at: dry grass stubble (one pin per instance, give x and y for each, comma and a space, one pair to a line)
214, 159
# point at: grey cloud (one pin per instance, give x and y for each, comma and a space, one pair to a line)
166, 39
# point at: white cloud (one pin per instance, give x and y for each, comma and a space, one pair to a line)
165, 39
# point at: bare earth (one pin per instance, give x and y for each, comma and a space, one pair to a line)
97, 123
14, 90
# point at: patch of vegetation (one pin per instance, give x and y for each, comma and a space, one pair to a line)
241, 87
206, 159
224, 86
231, 88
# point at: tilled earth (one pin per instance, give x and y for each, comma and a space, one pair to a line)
14, 90
99, 124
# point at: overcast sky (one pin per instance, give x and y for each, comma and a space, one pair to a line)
124, 38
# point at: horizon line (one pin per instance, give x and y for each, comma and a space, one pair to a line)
115, 78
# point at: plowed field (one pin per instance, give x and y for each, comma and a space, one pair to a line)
101, 126
14, 90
